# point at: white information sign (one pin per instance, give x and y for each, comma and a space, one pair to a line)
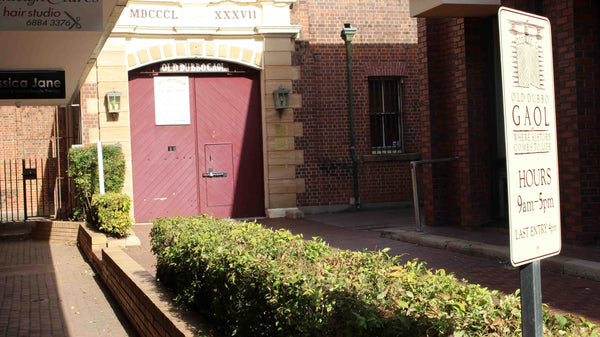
172, 100
80, 15
530, 131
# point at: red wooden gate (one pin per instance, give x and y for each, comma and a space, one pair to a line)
212, 165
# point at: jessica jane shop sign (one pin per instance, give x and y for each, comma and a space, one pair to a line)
530, 132
32, 84
51, 15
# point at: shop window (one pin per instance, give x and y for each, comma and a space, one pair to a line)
385, 107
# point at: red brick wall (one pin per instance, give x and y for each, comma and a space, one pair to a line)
385, 44
89, 119
586, 38
28, 133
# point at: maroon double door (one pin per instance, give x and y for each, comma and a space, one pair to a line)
212, 165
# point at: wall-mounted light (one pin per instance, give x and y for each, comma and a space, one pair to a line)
282, 98
348, 33
113, 99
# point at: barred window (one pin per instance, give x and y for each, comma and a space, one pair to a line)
385, 107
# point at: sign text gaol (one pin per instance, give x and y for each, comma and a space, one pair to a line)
530, 133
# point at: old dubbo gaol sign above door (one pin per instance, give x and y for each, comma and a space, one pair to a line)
530, 131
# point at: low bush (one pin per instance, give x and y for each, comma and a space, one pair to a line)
111, 213
83, 170
252, 281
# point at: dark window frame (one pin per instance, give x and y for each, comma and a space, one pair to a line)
386, 117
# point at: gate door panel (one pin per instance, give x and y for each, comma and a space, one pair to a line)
164, 160
228, 112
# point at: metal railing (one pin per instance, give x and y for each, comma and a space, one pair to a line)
413, 169
27, 188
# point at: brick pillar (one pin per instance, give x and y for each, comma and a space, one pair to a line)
587, 46
447, 123
481, 126
424, 107
566, 95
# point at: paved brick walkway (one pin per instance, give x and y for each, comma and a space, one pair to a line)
47, 289
562, 293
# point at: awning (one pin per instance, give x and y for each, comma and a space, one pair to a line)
44, 41
453, 8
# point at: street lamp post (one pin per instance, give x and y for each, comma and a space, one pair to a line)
347, 35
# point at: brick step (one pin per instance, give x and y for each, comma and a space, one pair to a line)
14, 236
55, 230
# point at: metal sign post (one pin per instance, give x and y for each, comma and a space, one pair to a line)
531, 153
531, 299
100, 167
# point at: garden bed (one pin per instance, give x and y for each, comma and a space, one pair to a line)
252, 281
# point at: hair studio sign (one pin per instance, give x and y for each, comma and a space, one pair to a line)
51, 15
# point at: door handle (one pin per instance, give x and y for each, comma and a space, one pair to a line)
211, 174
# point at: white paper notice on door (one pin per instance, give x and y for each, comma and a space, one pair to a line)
172, 100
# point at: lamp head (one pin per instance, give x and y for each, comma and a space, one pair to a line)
348, 33
113, 99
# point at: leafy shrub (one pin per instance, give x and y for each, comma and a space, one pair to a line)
111, 213
252, 281
83, 170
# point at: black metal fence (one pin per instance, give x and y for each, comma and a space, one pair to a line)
28, 188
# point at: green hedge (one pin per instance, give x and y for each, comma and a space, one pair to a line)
252, 281
83, 170
111, 213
